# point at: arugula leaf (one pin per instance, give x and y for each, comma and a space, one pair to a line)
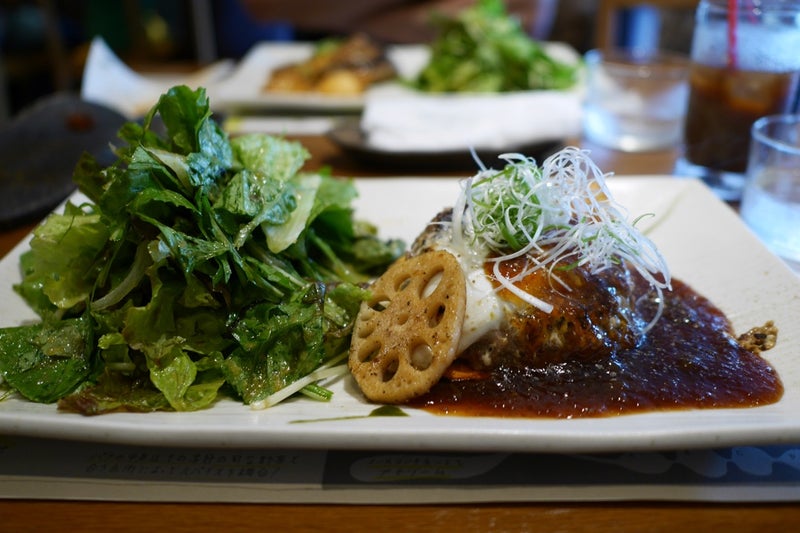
318, 320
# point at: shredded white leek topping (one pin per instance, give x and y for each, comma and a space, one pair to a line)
559, 215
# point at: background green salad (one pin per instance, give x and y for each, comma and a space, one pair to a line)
484, 49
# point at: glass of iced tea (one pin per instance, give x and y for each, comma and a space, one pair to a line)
745, 64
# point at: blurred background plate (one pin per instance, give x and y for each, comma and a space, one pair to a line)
40, 148
349, 136
243, 89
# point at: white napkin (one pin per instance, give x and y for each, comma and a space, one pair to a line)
109, 81
398, 120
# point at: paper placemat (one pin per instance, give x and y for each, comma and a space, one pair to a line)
71, 470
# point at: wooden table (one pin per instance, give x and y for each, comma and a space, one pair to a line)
89, 516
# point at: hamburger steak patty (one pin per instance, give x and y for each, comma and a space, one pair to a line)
593, 316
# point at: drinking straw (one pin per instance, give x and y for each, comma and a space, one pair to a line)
733, 7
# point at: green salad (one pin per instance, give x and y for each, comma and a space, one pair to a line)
483, 49
201, 266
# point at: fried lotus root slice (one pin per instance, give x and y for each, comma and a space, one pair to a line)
406, 335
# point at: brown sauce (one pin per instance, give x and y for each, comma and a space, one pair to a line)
689, 360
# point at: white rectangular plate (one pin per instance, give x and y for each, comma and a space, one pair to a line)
703, 240
245, 86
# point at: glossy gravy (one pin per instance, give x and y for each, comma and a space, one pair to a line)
689, 360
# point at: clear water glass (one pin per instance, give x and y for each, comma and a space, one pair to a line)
635, 101
771, 197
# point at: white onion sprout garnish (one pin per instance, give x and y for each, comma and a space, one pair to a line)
559, 215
